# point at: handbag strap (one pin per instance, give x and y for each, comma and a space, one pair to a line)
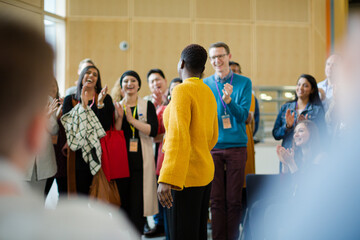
71, 178
112, 128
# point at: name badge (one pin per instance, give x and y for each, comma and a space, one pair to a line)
133, 145
226, 121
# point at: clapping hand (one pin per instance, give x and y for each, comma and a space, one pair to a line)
227, 91
85, 96
286, 156
52, 107
157, 97
129, 116
102, 95
119, 110
59, 111
290, 118
302, 117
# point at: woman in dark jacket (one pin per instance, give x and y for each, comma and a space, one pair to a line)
91, 97
307, 105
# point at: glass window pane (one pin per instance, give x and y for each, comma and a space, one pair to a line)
55, 6
55, 36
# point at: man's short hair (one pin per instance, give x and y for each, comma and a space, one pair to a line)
26, 70
219, 45
195, 57
155, 70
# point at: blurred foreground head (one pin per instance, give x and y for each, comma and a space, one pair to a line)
326, 204
26, 71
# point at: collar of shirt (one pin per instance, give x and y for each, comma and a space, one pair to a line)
227, 77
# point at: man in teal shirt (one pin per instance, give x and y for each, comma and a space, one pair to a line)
233, 96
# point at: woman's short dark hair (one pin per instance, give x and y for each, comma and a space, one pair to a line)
155, 70
133, 74
80, 85
195, 57
314, 95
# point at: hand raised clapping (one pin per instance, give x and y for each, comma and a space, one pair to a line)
227, 91
302, 117
286, 156
129, 116
102, 95
290, 118
158, 97
85, 98
52, 107
119, 111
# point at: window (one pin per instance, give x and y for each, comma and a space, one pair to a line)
55, 35
56, 7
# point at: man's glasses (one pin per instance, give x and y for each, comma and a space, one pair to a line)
220, 57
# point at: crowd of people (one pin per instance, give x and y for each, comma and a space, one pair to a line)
188, 146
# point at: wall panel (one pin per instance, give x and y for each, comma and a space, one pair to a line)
320, 57
224, 10
283, 10
282, 54
98, 40
105, 8
320, 17
162, 8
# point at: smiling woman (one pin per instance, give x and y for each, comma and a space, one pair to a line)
305, 150
90, 109
137, 118
307, 105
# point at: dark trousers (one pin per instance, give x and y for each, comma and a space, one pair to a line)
131, 195
159, 217
188, 216
226, 192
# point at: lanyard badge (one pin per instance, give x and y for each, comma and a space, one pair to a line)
226, 121
133, 147
134, 142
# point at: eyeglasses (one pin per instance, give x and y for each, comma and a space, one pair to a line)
220, 57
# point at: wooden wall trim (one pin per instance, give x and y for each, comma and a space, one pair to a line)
24, 5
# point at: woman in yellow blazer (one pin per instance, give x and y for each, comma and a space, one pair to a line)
191, 132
